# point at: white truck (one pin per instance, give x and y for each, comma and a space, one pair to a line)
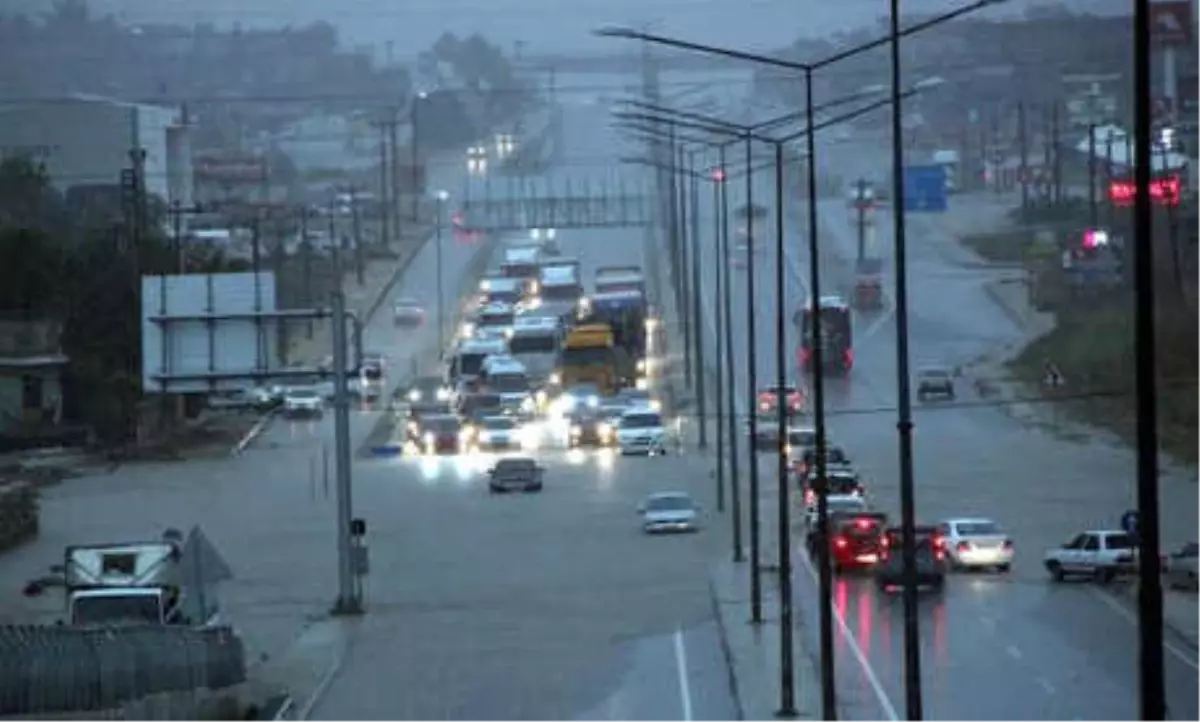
138, 583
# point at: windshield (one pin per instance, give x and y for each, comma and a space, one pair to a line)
583, 391
508, 383
641, 421
533, 343
977, 528
443, 424
496, 318
303, 394
587, 356
564, 292
515, 467
1119, 541
505, 296
372, 373
520, 270
836, 505
470, 363
499, 423
802, 437
669, 503
109, 609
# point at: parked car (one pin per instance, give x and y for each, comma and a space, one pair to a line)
1181, 567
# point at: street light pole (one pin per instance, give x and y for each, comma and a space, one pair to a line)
731, 390
718, 178
441, 296
697, 314
751, 386
904, 423
683, 306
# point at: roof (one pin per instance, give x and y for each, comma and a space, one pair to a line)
496, 307
482, 345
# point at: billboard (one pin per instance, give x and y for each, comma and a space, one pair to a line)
1171, 22
229, 167
200, 332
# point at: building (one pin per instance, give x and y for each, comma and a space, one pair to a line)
31, 367
87, 140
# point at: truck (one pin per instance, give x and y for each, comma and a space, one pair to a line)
620, 278
625, 313
559, 281
589, 355
154, 582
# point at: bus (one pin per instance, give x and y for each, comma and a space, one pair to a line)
837, 347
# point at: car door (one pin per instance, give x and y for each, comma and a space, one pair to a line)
1088, 556
1069, 557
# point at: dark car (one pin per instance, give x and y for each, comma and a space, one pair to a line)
840, 480
426, 390
477, 406
834, 456
856, 541
443, 433
515, 474
417, 412
591, 427
931, 560
935, 382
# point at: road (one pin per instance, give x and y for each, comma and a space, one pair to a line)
550, 606
1011, 647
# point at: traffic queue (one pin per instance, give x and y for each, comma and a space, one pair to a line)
859, 538
539, 359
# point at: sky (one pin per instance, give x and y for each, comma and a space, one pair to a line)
545, 26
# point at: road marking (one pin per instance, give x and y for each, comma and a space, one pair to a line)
253, 433
881, 696
685, 689
1132, 618
1045, 684
1013, 651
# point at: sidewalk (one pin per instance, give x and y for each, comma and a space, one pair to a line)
752, 651
379, 277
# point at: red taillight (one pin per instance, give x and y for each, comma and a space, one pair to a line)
857, 491
805, 355
940, 554
963, 546
764, 406
840, 542
848, 357
863, 523
809, 495
1008, 545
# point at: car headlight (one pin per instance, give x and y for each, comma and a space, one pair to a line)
555, 378
485, 285
642, 384
534, 287
651, 324
443, 394
641, 365
655, 404
540, 397
428, 438
551, 233
508, 333
468, 329
465, 435
414, 396
485, 436
535, 234
604, 430
527, 404
593, 401
576, 430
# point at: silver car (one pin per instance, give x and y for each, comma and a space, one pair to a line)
1181, 567
669, 511
935, 382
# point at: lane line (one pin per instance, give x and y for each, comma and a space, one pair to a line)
881, 696
1132, 618
685, 688
1013, 651
1045, 684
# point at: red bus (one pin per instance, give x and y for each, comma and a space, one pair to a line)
837, 347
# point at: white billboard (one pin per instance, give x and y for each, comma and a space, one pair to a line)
203, 332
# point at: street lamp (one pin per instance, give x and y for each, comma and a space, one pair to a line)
911, 631
442, 196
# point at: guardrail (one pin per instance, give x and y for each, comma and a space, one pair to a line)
54, 670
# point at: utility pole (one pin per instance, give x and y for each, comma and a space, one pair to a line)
306, 251
356, 229
735, 490
1023, 145
1056, 166
860, 211
719, 327
698, 332
1093, 202
386, 208
414, 150
348, 601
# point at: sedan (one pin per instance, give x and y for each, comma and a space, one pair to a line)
935, 382
976, 543
669, 511
515, 474
1181, 567
408, 313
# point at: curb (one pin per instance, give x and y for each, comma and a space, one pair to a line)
323, 685
255, 431
991, 288
401, 269
726, 651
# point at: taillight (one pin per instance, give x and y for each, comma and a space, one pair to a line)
857, 491
963, 546
940, 554
1008, 545
848, 357
764, 406
805, 355
840, 542
809, 495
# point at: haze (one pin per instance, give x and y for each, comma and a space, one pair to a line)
414, 24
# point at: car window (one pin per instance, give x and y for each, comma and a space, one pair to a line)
977, 528
668, 503
1118, 541
1076, 543
1091, 543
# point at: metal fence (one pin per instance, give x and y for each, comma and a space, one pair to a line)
64, 669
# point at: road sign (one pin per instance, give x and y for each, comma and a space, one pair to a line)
1171, 22
925, 188
1129, 521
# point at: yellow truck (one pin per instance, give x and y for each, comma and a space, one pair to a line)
588, 356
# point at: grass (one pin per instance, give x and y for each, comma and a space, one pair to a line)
1093, 347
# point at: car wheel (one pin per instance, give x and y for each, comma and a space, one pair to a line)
1056, 571
1104, 575
1004, 568
938, 584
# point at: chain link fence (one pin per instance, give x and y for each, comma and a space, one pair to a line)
46, 670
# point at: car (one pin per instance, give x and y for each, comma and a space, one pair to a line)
834, 504
576, 396
770, 397
444, 433
669, 511
255, 398
935, 382
977, 543
834, 456
477, 406
408, 313
799, 440
931, 559
840, 481
1180, 571
425, 389
418, 411
1100, 554
641, 431
591, 427
515, 474
857, 541
303, 402
499, 433
766, 434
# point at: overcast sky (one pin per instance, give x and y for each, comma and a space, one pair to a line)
544, 25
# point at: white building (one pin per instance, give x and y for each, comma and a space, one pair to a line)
87, 140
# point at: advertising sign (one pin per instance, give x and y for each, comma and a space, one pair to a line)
1171, 22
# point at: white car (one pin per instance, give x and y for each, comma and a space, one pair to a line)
303, 401
641, 431
977, 543
255, 397
1101, 555
498, 433
669, 511
834, 504
408, 313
